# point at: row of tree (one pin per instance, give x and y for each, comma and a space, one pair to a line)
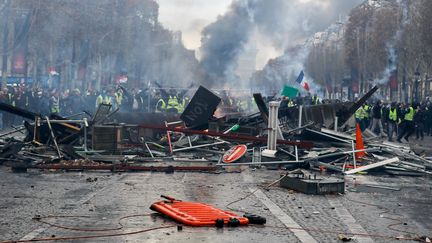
383, 42
92, 43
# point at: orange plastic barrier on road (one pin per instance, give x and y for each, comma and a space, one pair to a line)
193, 213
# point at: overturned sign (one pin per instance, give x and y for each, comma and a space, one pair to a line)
200, 108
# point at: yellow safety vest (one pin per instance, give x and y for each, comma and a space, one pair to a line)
55, 105
119, 97
182, 105
410, 115
172, 102
360, 113
366, 109
107, 100
99, 100
393, 114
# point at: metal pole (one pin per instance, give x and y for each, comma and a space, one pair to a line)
272, 126
53, 137
66, 121
300, 161
14, 131
85, 133
198, 146
263, 163
35, 129
189, 141
354, 159
336, 123
169, 138
300, 116
148, 149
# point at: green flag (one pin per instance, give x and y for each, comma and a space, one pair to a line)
289, 91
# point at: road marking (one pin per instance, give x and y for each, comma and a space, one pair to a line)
289, 222
348, 219
31, 235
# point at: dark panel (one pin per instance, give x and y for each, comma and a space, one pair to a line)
201, 108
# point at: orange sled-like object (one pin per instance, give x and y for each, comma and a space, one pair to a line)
196, 214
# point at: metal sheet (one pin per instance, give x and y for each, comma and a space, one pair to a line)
201, 108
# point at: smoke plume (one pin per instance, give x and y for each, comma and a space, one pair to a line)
285, 23
391, 46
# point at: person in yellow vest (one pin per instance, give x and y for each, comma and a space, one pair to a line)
392, 121
291, 103
172, 104
55, 103
99, 99
182, 105
359, 116
110, 99
160, 105
367, 109
315, 100
118, 97
408, 124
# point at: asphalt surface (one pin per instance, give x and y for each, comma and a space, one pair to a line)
401, 209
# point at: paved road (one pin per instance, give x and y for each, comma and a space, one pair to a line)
117, 195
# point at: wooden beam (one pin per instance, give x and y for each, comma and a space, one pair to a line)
371, 166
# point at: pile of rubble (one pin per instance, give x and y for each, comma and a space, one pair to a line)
314, 138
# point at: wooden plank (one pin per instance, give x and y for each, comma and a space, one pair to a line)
371, 166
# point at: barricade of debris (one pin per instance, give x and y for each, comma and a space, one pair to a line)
317, 137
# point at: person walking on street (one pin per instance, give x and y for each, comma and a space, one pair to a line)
367, 110
428, 118
408, 124
419, 121
376, 118
392, 121
359, 116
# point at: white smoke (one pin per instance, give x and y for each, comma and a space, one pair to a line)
391, 49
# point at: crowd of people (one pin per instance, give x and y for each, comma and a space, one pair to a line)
71, 102
397, 120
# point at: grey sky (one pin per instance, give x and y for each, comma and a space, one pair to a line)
190, 16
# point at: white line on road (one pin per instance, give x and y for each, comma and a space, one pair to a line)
348, 219
34, 233
289, 222
302, 235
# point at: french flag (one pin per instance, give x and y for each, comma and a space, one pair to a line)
300, 81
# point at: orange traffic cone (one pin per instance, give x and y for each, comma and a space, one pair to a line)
359, 143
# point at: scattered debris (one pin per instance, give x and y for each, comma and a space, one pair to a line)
302, 181
344, 238
205, 139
